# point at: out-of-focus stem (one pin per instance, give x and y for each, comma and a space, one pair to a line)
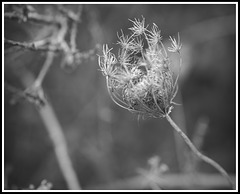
74, 29
54, 129
60, 146
56, 135
33, 17
195, 150
34, 46
44, 70
169, 181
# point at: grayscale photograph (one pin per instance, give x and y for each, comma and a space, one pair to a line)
120, 96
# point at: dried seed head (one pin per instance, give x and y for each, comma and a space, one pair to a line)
141, 80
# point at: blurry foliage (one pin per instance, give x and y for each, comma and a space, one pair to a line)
44, 185
105, 142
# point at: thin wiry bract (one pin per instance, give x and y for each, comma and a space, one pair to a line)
154, 36
175, 45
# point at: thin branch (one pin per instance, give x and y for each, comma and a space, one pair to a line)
35, 93
30, 95
54, 129
168, 182
86, 54
34, 46
74, 29
12, 89
195, 150
70, 14
73, 36
44, 19
32, 17
60, 146
44, 70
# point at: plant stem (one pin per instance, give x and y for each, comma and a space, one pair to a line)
195, 150
44, 70
34, 46
57, 137
60, 146
169, 181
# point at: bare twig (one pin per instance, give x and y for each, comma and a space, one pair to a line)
32, 96
32, 17
12, 89
44, 70
168, 182
70, 14
56, 42
44, 19
54, 129
60, 146
35, 94
34, 46
87, 54
74, 29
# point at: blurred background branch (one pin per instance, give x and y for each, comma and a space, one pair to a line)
35, 93
180, 181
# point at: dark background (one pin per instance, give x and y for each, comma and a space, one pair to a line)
105, 142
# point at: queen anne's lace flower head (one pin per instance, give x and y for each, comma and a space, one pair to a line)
140, 79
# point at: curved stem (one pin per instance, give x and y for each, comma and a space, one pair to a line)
199, 154
60, 146
56, 134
